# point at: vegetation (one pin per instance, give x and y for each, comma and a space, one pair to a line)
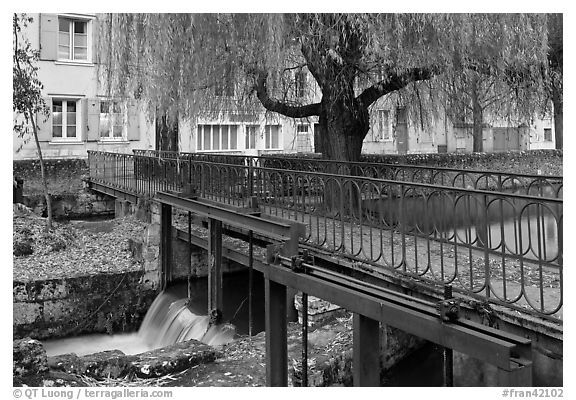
555, 73
188, 65
27, 101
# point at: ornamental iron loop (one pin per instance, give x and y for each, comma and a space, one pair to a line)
537, 185
498, 247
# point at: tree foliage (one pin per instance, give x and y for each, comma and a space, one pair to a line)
27, 101
556, 72
174, 61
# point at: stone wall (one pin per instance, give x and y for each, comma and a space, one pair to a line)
86, 304
63, 175
82, 204
149, 250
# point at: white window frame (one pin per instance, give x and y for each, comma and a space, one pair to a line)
268, 136
550, 131
201, 129
306, 135
64, 124
122, 116
72, 19
251, 137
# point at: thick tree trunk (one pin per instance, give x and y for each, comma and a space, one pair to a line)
343, 132
166, 134
558, 118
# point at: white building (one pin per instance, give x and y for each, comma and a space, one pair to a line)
83, 118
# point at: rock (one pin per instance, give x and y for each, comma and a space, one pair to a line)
69, 363
112, 363
151, 364
29, 357
174, 358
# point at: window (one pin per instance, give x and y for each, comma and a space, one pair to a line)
272, 136
382, 125
251, 137
300, 81
217, 137
72, 39
111, 118
548, 134
303, 142
64, 118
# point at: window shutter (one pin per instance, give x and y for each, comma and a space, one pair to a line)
95, 37
133, 123
84, 119
44, 122
93, 119
48, 36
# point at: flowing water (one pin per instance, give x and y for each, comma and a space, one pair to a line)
169, 320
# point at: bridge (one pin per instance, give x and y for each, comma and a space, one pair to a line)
360, 234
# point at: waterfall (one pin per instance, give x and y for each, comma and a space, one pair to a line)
169, 320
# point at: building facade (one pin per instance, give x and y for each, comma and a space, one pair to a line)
81, 116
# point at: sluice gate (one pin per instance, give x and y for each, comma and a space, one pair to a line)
289, 266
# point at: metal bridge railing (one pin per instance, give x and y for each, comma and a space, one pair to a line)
503, 248
537, 185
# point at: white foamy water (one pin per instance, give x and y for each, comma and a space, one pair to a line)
168, 321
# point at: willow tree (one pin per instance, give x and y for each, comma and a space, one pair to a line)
175, 61
555, 73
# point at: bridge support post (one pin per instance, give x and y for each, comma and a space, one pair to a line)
165, 245
276, 334
520, 374
366, 356
215, 296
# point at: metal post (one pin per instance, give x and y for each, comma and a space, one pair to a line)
250, 179
189, 255
276, 334
215, 299
165, 244
366, 355
250, 280
304, 339
447, 354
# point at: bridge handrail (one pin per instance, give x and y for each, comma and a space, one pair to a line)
469, 238
468, 177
